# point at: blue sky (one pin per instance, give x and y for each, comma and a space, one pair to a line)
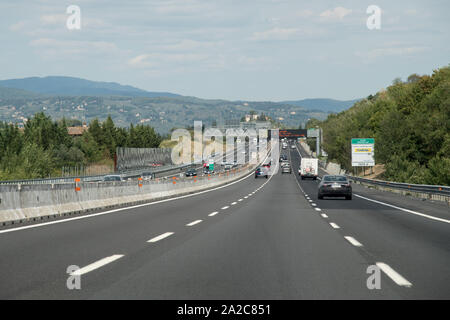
228, 49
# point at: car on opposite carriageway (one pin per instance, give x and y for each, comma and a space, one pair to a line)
191, 172
262, 172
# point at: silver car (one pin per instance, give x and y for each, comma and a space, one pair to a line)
286, 167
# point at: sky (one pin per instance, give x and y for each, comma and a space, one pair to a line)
265, 50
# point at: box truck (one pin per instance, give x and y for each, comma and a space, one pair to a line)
309, 168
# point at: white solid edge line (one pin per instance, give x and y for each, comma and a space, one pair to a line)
391, 273
353, 241
96, 265
122, 209
212, 214
405, 210
324, 215
160, 237
334, 225
193, 223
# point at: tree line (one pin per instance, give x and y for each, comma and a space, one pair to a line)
44, 146
410, 122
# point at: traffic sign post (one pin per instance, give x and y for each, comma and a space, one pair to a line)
363, 152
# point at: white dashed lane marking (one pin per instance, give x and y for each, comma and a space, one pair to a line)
96, 265
212, 214
334, 225
193, 223
160, 237
353, 241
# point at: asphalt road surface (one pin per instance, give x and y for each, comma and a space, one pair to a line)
255, 239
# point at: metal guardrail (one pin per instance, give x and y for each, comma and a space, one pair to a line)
125, 175
423, 188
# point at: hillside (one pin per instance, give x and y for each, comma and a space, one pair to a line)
70, 86
85, 100
325, 105
12, 93
162, 113
410, 122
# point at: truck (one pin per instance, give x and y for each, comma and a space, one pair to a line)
309, 168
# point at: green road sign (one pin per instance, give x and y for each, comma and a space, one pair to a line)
363, 141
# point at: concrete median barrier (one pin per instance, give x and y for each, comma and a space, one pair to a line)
22, 203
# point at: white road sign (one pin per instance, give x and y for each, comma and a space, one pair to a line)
363, 152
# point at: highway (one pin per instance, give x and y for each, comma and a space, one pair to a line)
254, 239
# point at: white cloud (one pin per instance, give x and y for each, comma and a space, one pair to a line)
18, 26
390, 51
189, 45
275, 34
54, 19
304, 13
52, 48
157, 59
337, 13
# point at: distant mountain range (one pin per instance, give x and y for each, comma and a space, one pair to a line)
69, 86
84, 100
327, 105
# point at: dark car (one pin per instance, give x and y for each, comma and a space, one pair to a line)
261, 172
335, 186
207, 171
112, 177
191, 173
147, 175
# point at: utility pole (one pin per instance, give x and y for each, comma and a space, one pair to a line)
318, 141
